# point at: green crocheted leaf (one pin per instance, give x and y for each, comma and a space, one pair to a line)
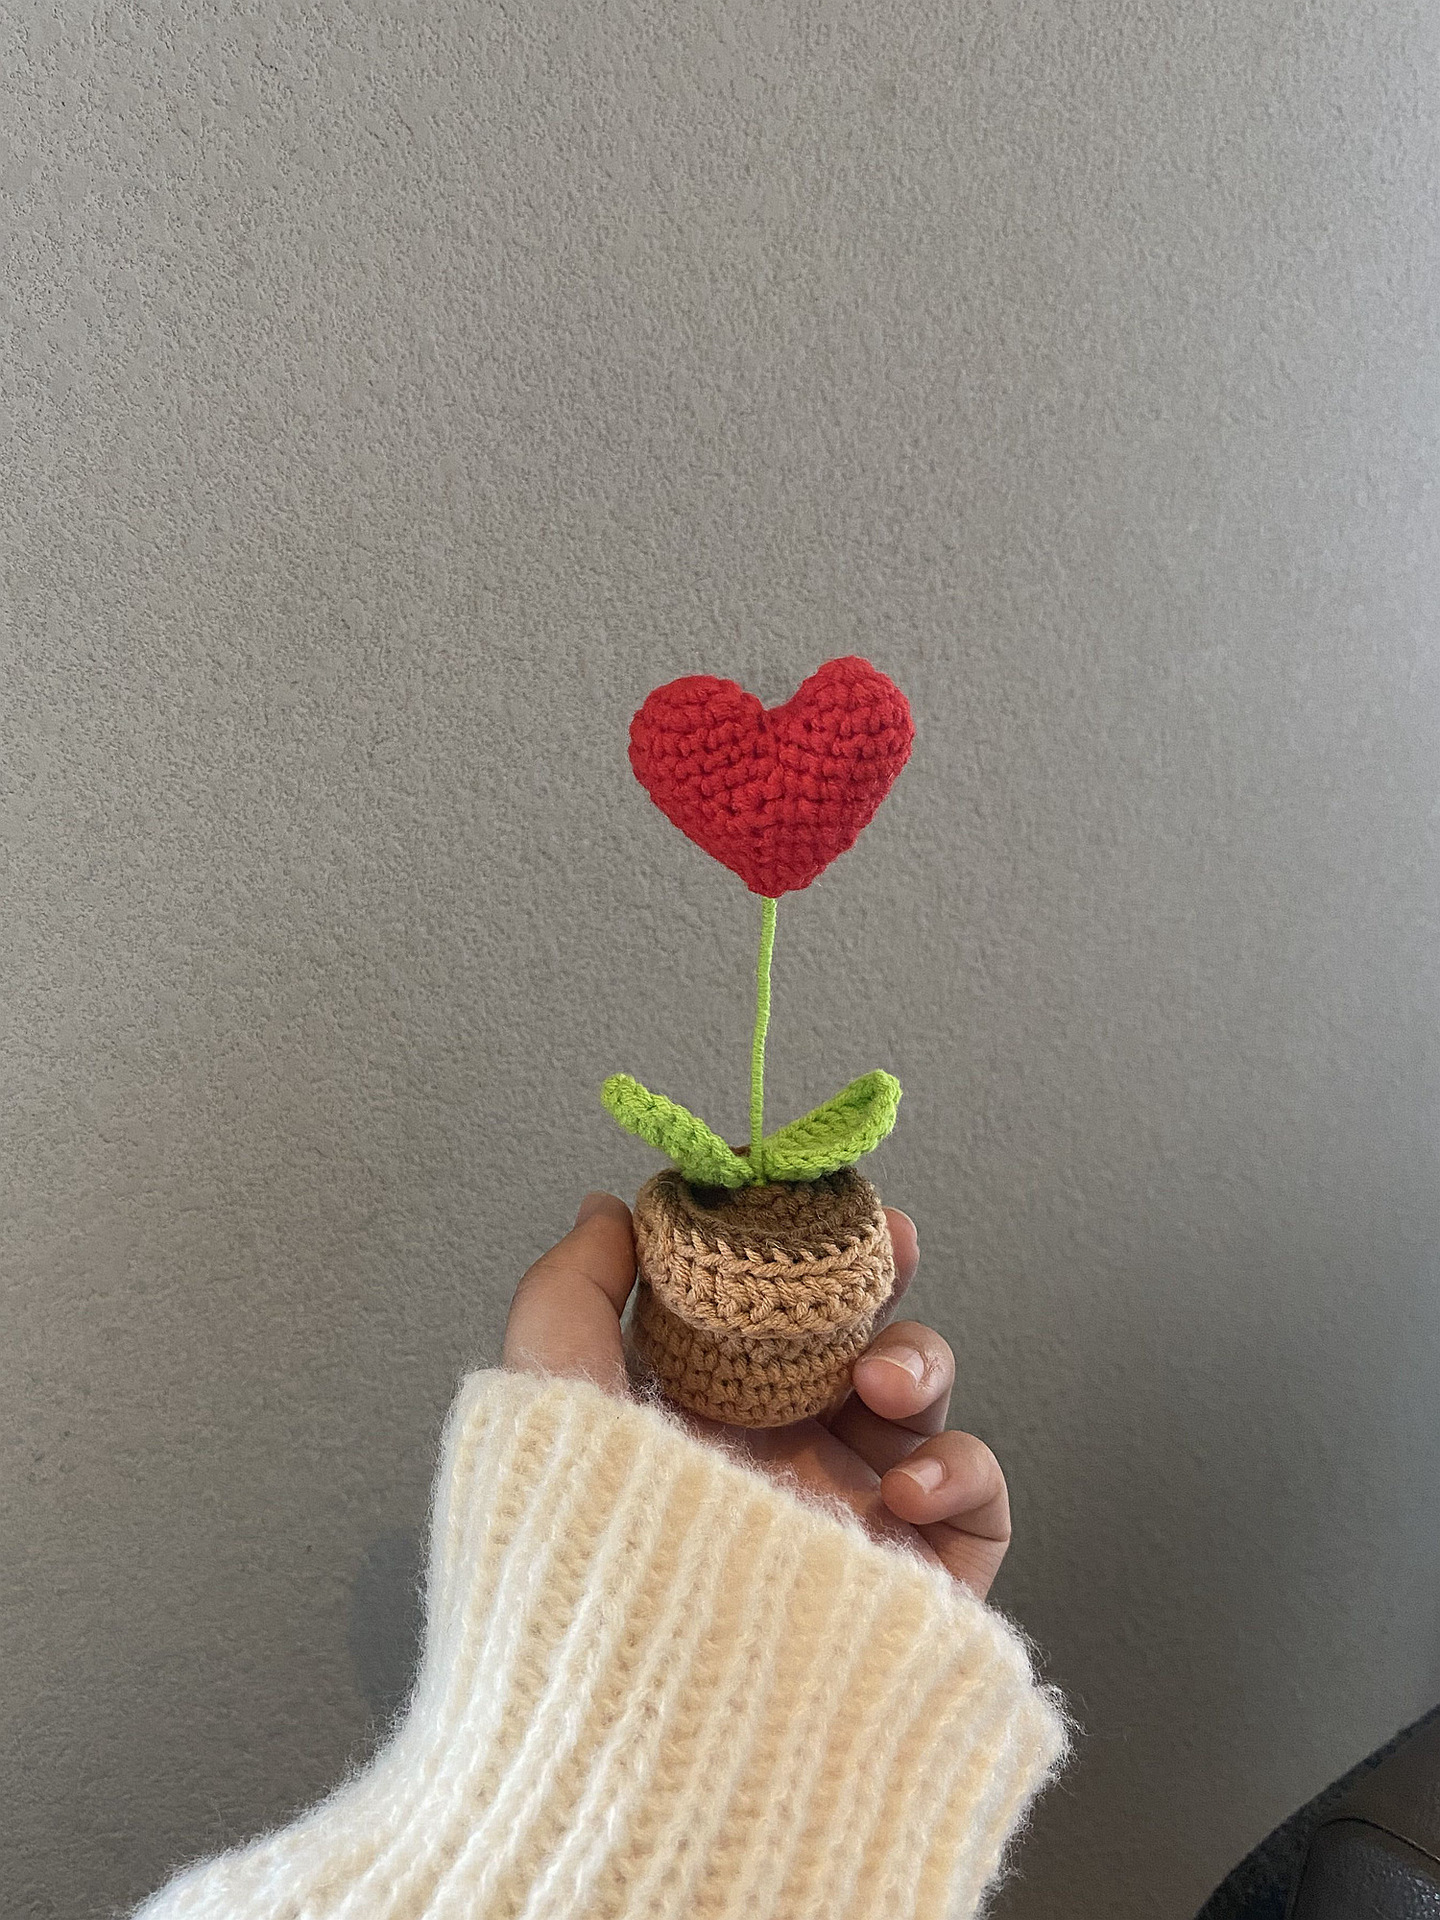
702, 1156
835, 1135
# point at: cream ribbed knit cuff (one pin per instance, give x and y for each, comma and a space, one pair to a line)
656, 1683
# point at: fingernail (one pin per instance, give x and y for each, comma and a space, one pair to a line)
905, 1357
926, 1474
592, 1203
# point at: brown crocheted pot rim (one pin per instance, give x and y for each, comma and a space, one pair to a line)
782, 1217
781, 1261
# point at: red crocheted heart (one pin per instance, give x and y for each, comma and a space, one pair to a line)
774, 794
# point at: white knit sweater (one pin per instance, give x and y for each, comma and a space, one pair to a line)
655, 1683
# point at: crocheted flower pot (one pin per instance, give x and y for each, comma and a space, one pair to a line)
753, 1302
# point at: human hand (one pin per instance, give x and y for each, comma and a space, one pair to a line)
875, 1453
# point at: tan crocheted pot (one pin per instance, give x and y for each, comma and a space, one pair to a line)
753, 1302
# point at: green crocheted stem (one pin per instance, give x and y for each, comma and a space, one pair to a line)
757, 1045
833, 1136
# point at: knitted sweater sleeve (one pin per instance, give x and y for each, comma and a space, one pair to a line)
656, 1683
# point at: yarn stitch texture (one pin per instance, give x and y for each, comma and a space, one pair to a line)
753, 1304
658, 1686
773, 794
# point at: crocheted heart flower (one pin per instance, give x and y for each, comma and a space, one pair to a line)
774, 794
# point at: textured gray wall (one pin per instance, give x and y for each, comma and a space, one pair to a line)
393, 397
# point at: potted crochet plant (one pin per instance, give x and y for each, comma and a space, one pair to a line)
763, 1268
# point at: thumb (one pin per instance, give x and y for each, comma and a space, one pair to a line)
565, 1316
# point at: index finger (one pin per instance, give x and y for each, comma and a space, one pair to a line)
565, 1316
